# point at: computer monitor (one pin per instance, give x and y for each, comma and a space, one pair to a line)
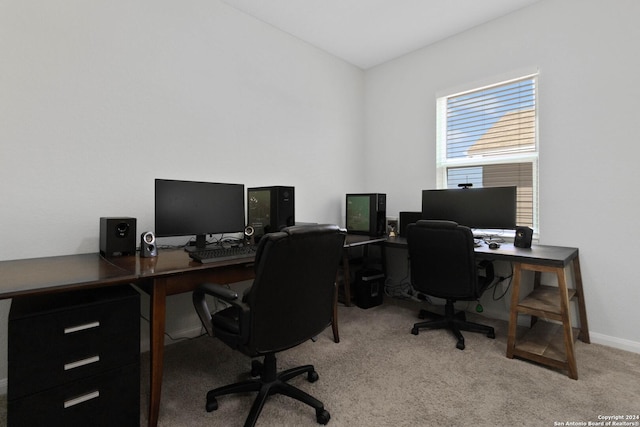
184, 208
366, 214
483, 208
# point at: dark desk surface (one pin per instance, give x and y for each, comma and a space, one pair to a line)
59, 273
554, 256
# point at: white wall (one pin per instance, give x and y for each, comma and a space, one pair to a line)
586, 53
99, 98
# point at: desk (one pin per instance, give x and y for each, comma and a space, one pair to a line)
171, 272
548, 343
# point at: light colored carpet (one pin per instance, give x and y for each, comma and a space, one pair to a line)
381, 375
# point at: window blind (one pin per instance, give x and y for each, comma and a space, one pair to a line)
487, 137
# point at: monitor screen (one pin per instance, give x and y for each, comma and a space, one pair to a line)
184, 208
484, 208
358, 215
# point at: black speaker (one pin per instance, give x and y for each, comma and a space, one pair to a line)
270, 209
407, 218
523, 237
148, 246
117, 236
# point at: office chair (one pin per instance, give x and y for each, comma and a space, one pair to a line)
290, 301
443, 265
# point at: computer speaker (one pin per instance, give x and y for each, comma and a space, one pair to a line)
523, 237
117, 236
148, 246
249, 232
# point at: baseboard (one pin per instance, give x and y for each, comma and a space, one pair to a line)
614, 342
145, 343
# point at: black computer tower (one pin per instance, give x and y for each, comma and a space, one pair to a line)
270, 209
369, 287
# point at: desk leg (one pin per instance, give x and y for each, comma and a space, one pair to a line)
157, 325
346, 278
334, 317
584, 326
513, 316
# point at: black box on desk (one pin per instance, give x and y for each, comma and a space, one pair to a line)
369, 287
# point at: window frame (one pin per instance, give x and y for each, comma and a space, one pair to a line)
531, 156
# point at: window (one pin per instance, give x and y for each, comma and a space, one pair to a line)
488, 137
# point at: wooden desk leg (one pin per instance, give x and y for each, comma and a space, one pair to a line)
157, 325
346, 278
334, 318
513, 310
584, 326
566, 324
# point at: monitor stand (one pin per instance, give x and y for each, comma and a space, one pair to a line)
201, 244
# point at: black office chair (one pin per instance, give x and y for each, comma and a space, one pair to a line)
290, 301
443, 265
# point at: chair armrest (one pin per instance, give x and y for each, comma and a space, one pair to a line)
200, 302
218, 291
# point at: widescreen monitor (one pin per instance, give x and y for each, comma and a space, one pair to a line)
481, 208
184, 208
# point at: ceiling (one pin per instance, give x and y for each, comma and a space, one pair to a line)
369, 32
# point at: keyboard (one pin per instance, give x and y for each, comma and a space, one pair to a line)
222, 254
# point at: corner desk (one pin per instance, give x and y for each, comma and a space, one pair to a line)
548, 343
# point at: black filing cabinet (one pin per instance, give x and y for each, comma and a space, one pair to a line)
74, 359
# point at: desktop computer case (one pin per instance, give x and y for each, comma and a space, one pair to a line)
369, 287
270, 209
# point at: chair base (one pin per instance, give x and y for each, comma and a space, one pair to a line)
455, 322
271, 382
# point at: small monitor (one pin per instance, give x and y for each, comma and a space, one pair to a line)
483, 208
366, 214
184, 208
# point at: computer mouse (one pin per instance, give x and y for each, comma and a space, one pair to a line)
494, 245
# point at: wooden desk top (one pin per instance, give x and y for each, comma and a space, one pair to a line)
71, 272
554, 256
59, 273
169, 262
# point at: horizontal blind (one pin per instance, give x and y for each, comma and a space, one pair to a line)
492, 121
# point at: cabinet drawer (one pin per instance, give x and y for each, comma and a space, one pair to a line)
109, 399
62, 338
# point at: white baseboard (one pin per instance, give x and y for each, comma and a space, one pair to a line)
614, 342
145, 343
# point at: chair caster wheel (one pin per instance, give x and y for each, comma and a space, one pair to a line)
322, 416
212, 405
491, 335
414, 331
460, 345
312, 376
256, 368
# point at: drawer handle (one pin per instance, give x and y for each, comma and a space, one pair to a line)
82, 362
78, 328
80, 399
